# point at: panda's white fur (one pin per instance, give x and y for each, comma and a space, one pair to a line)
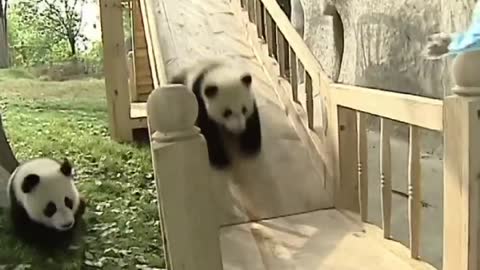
226, 101
232, 92
44, 201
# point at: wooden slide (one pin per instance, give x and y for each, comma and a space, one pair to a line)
277, 210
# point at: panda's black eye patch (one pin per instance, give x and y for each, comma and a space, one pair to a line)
227, 113
244, 110
50, 210
211, 91
68, 202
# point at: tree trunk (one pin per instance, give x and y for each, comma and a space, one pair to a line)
4, 55
7, 158
73, 47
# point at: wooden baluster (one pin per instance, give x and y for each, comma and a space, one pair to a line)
294, 75
271, 34
386, 176
283, 58
309, 101
362, 159
179, 154
251, 10
414, 191
259, 11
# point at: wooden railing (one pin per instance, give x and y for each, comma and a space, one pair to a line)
344, 128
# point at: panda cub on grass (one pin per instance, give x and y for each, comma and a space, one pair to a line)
45, 205
226, 103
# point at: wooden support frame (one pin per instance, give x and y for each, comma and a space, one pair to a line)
123, 115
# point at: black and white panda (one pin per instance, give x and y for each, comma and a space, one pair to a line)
45, 205
226, 103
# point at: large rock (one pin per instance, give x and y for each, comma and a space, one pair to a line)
379, 43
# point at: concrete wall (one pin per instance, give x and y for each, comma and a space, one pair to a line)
379, 43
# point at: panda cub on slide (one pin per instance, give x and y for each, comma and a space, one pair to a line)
45, 205
226, 103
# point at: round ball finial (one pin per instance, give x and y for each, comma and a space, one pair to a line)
172, 109
465, 69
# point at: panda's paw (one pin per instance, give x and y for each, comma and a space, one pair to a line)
251, 148
220, 161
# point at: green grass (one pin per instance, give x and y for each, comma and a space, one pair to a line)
58, 119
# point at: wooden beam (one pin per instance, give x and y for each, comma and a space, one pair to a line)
116, 70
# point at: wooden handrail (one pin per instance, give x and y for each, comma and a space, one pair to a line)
410, 109
303, 53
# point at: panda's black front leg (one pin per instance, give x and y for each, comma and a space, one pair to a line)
251, 139
217, 152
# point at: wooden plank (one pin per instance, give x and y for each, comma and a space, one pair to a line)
138, 110
419, 111
414, 191
461, 185
386, 176
116, 70
362, 158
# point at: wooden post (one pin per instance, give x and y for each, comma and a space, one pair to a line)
116, 70
461, 182
183, 177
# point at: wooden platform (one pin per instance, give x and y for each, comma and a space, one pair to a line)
321, 240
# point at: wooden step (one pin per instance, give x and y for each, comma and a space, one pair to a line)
138, 110
321, 240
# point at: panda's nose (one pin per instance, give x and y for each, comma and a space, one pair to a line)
67, 225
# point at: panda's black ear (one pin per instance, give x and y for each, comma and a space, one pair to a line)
211, 91
30, 182
66, 168
246, 79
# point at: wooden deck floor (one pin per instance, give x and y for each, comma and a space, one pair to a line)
321, 240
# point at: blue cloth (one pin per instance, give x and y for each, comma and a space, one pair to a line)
470, 39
